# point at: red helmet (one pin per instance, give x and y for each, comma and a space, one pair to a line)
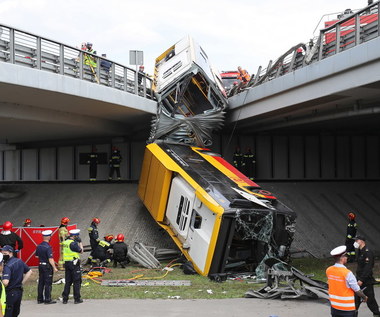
27, 221
96, 220
120, 237
7, 225
108, 238
351, 216
65, 220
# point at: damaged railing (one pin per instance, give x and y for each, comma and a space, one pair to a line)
29, 50
348, 30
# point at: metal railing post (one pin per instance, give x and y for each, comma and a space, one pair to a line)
357, 29
125, 78
337, 40
61, 59
81, 64
12, 56
113, 68
320, 43
38, 53
378, 21
136, 83
97, 68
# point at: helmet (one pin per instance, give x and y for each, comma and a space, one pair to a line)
351, 216
65, 220
96, 220
7, 225
89, 44
108, 238
120, 237
27, 221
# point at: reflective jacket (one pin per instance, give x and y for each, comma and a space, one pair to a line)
3, 298
341, 296
115, 159
244, 76
68, 254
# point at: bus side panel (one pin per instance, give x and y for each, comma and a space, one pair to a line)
156, 182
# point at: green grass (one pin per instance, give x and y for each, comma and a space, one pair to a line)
198, 289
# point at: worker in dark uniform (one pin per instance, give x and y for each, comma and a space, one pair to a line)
15, 274
350, 236
46, 268
364, 275
72, 248
114, 162
248, 163
238, 159
102, 251
93, 162
93, 233
27, 222
120, 252
7, 237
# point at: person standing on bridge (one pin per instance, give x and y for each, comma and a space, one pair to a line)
46, 269
364, 275
342, 285
114, 163
350, 236
93, 162
243, 76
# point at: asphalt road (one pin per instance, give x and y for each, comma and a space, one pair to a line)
240, 307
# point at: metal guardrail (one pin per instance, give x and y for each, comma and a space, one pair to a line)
29, 50
348, 30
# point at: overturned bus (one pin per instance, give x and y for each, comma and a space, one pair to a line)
220, 219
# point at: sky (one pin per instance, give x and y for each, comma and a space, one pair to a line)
233, 33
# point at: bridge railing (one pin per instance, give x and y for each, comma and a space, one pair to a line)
348, 30
29, 50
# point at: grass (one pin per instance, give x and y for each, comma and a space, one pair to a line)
201, 287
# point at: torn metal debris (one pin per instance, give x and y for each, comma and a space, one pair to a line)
122, 283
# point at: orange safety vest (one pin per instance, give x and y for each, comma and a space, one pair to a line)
341, 296
244, 76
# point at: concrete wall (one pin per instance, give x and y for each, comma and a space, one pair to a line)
62, 163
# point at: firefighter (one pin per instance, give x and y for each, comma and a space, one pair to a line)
248, 163
238, 159
93, 233
102, 251
114, 162
364, 275
342, 285
350, 236
243, 76
46, 268
72, 248
93, 162
63, 234
27, 222
120, 252
7, 237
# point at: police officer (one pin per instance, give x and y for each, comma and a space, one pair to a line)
15, 274
63, 234
364, 274
72, 248
46, 268
350, 236
102, 251
342, 285
120, 252
93, 233
7, 237
114, 163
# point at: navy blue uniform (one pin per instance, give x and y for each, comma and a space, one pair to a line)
14, 270
11, 239
45, 271
93, 233
115, 162
120, 254
73, 276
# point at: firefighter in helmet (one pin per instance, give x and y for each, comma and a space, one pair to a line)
114, 163
63, 234
8, 237
238, 158
27, 222
120, 252
102, 251
350, 236
93, 233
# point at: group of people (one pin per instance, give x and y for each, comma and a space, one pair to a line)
346, 291
16, 272
245, 163
114, 163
